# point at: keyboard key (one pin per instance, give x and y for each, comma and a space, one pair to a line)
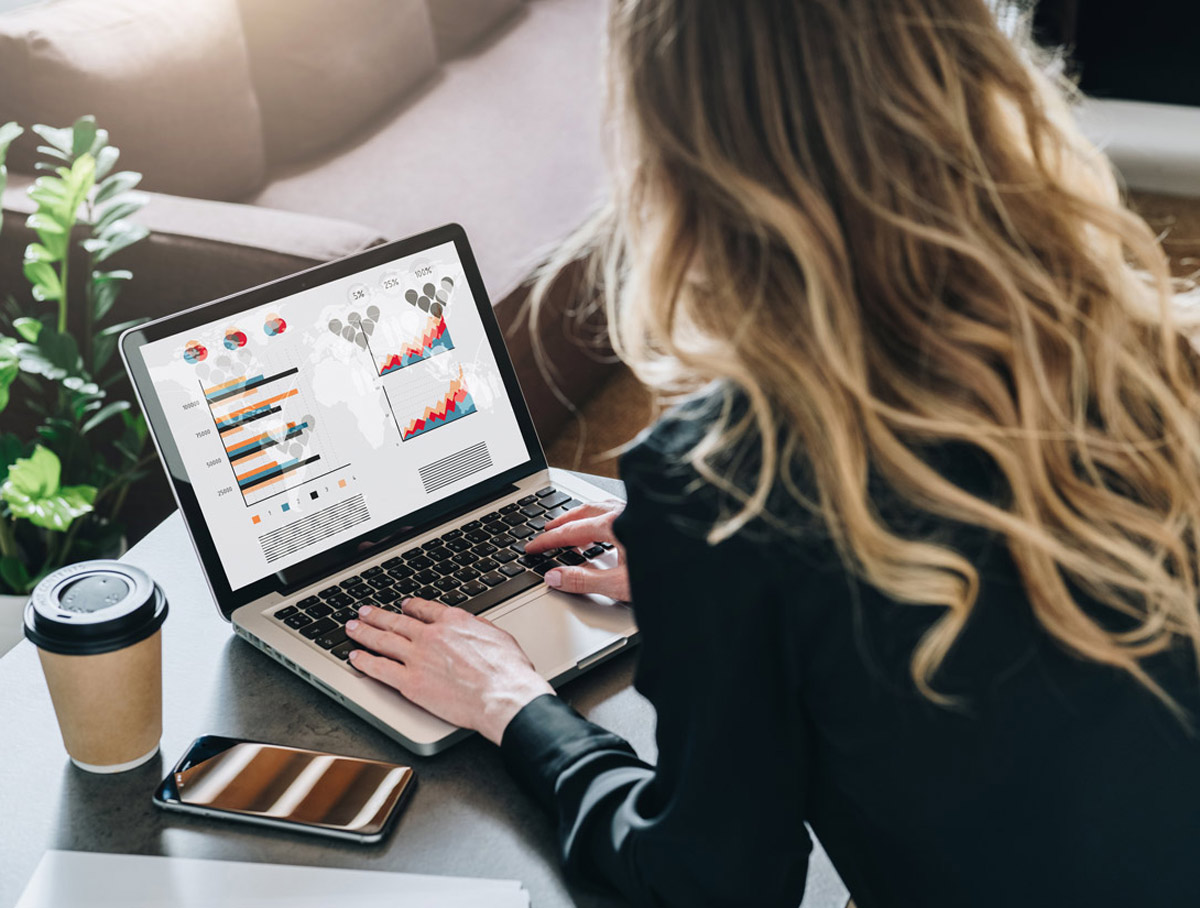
411, 553
350, 581
594, 552
511, 570
449, 566
555, 513
311, 600
317, 628
465, 558
571, 558
537, 523
487, 518
509, 508
454, 598
363, 592
329, 591
429, 575
462, 575
286, 612
518, 546
554, 500
372, 571
504, 556
498, 594
347, 614
572, 503
420, 562
473, 525
514, 518
333, 638
343, 650
486, 564
381, 581
477, 536
400, 573
457, 545
493, 578
431, 544
474, 588
429, 592
341, 600
528, 499
407, 587
392, 562
446, 584
549, 490
298, 621
532, 510
544, 566
357, 606
484, 549
319, 611
521, 532
389, 595
605, 545
495, 528
441, 553
531, 560
453, 534
503, 539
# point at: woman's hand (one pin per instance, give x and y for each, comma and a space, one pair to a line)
583, 526
461, 668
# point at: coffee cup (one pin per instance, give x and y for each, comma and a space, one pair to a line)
97, 626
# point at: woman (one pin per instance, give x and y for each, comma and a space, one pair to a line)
916, 562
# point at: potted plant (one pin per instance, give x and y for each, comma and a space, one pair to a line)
64, 479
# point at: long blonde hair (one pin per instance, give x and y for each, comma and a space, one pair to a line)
875, 219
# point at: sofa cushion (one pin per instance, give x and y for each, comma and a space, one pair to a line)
323, 70
459, 24
169, 81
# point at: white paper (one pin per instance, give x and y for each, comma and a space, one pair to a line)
64, 879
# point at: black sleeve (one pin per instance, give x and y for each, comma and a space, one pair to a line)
720, 819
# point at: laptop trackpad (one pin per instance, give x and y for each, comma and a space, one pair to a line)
558, 630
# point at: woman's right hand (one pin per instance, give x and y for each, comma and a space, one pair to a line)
583, 526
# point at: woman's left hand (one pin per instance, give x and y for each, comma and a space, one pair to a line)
461, 668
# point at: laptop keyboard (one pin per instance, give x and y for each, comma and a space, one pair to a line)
475, 567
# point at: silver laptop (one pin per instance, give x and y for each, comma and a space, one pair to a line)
355, 434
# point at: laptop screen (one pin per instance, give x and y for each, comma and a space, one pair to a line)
306, 422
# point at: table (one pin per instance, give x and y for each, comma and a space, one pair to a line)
466, 816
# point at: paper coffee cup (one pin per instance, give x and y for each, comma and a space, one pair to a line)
97, 629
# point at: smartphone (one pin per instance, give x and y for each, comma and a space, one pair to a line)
287, 788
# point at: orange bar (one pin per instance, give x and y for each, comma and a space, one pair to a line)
226, 384
247, 441
261, 403
241, 395
263, 485
262, 469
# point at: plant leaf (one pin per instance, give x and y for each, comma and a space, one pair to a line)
106, 157
9, 132
46, 285
36, 252
35, 476
28, 328
43, 223
121, 274
61, 350
83, 134
62, 139
104, 414
10, 368
11, 448
14, 573
104, 294
103, 347
130, 204
116, 184
119, 235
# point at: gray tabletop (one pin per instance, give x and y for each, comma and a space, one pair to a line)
466, 818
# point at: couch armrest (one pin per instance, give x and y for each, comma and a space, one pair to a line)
198, 250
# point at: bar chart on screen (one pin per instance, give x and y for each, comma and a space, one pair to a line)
269, 438
429, 400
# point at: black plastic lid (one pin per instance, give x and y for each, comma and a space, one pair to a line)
94, 607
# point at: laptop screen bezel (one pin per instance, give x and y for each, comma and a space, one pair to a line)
372, 541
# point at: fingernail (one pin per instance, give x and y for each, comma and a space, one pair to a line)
351, 625
554, 578
365, 610
405, 601
354, 654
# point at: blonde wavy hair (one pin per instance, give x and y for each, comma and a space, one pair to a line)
877, 221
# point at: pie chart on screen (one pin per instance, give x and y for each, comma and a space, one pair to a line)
234, 339
194, 352
274, 325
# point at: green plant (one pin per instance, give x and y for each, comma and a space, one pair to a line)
62, 491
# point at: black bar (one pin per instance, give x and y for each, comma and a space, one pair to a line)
501, 592
244, 388
249, 418
275, 474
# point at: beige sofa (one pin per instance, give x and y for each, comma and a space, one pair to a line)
274, 134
